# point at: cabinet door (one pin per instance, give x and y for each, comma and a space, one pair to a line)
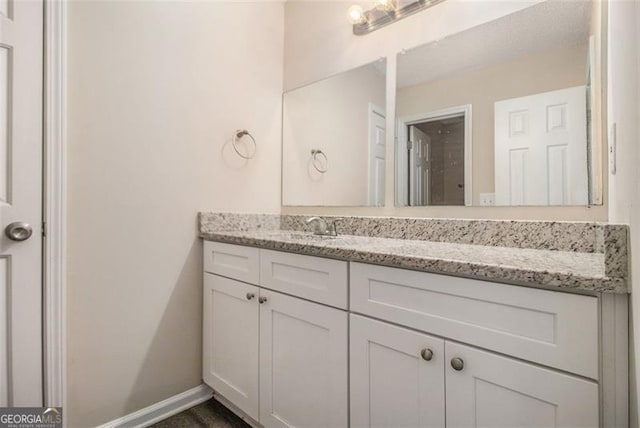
303, 363
392, 383
493, 391
230, 341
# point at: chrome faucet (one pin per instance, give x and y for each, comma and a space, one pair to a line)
321, 227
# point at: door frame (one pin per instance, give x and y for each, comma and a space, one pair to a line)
54, 204
401, 149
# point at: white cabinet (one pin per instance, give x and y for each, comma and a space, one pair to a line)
288, 361
281, 360
397, 376
393, 385
312, 278
232, 261
230, 341
493, 391
554, 329
303, 363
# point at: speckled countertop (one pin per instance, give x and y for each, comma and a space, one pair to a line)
582, 272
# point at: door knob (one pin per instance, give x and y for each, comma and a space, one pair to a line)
262, 299
250, 296
18, 231
457, 363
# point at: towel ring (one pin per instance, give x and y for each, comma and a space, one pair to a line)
317, 162
239, 134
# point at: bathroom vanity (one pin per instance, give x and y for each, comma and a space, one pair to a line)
304, 330
409, 322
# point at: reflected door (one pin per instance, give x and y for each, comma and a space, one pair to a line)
377, 155
20, 201
541, 149
419, 167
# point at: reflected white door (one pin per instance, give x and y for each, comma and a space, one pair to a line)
419, 167
20, 201
377, 155
541, 149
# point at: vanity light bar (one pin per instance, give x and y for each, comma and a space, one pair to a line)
375, 18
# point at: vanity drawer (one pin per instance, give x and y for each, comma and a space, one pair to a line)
233, 261
552, 328
318, 279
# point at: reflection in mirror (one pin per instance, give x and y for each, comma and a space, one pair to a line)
333, 140
499, 114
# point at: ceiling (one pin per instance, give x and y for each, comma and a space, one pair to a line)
548, 25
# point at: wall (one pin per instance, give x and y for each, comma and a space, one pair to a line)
635, 243
533, 74
155, 90
331, 115
324, 45
624, 185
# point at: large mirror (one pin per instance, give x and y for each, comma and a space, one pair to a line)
333, 140
507, 113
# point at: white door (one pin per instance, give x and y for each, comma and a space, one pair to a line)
419, 167
541, 149
397, 376
491, 391
377, 155
20, 201
303, 363
230, 341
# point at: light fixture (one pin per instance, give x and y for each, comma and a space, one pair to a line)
384, 12
356, 15
386, 5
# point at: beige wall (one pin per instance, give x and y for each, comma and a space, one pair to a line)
333, 116
155, 90
624, 186
530, 75
322, 46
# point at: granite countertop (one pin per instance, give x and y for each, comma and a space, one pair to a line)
581, 272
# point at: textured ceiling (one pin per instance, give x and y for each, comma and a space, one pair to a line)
548, 25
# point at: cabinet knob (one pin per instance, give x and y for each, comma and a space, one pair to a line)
426, 354
250, 296
262, 300
457, 363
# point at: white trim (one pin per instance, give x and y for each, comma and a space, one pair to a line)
402, 196
54, 265
163, 409
373, 109
614, 354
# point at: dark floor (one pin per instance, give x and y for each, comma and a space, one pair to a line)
208, 414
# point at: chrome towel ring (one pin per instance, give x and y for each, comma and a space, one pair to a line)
238, 135
317, 161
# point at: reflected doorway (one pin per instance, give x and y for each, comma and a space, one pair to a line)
437, 148
436, 162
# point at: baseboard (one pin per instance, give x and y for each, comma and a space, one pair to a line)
163, 409
234, 409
